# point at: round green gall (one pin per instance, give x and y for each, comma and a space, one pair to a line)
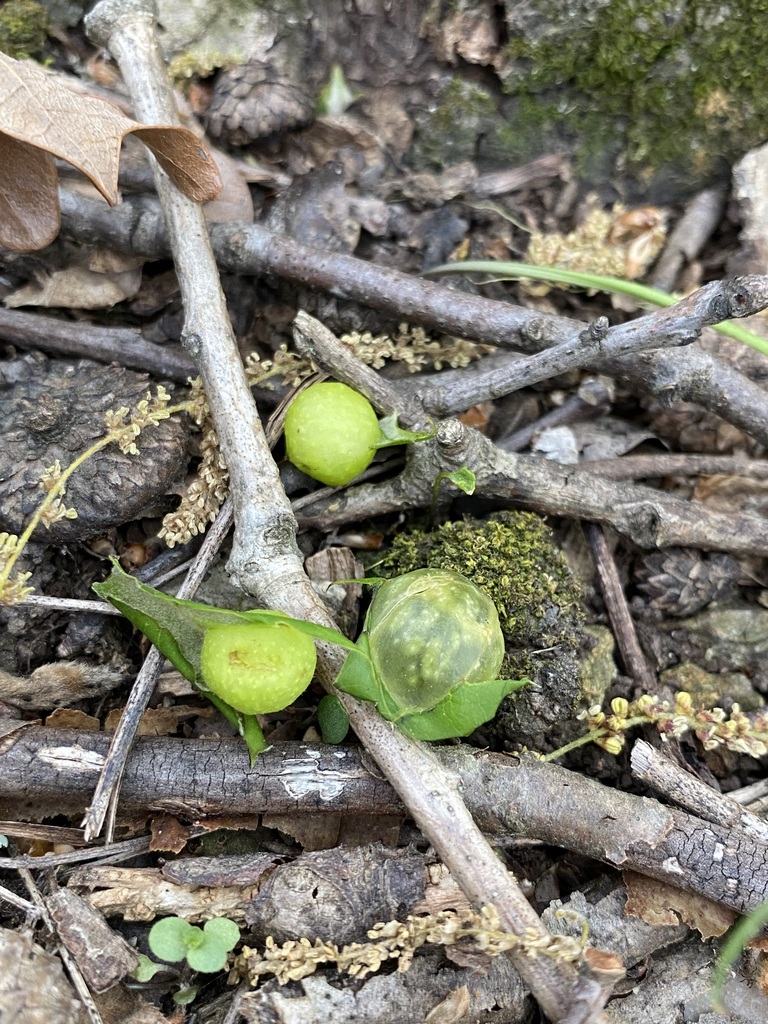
430, 631
255, 667
329, 433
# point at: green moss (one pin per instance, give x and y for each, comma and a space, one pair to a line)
449, 133
201, 65
23, 29
513, 558
675, 82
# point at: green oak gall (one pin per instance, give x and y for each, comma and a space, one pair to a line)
257, 668
330, 431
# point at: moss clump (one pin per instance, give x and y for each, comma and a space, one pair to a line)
450, 133
680, 82
512, 557
23, 29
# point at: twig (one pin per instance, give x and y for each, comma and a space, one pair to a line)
676, 325
69, 604
691, 232
105, 344
74, 972
591, 401
684, 789
652, 519
637, 467
107, 788
618, 611
686, 374
508, 795
265, 557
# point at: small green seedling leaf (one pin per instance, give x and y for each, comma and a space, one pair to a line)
185, 995
205, 949
462, 478
336, 95
332, 719
391, 434
169, 938
147, 969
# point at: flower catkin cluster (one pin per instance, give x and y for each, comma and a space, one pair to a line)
413, 347
207, 492
713, 727
123, 427
615, 243
395, 940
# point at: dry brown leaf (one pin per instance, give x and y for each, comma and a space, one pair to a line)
42, 119
658, 903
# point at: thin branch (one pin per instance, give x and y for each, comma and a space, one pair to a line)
650, 518
686, 374
618, 610
105, 344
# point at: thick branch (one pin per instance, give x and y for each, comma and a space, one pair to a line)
40, 768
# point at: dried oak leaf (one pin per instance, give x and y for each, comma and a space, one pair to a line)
54, 409
42, 119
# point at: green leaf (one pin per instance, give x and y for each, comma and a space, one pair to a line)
392, 434
465, 708
336, 95
739, 937
170, 938
177, 627
208, 958
147, 969
332, 719
462, 478
223, 930
185, 995
357, 677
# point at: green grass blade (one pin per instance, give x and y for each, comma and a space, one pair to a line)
503, 270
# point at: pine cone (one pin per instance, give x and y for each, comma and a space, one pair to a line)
254, 101
54, 409
681, 581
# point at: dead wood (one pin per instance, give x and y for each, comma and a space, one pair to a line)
687, 374
42, 768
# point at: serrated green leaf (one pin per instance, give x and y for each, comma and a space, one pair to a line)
332, 719
465, 708
392, 434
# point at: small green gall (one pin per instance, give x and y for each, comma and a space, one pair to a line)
433, 649
257, 668
330, 431
429, 631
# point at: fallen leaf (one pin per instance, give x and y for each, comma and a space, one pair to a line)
42, 119
658, 903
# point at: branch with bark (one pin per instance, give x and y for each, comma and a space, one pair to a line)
720, 856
